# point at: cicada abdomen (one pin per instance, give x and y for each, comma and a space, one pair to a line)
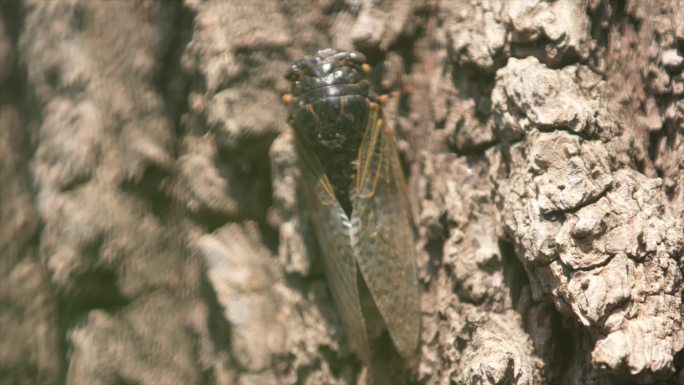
356, 196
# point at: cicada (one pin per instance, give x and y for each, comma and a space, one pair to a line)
355, 191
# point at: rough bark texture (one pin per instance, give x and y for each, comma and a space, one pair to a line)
150, 224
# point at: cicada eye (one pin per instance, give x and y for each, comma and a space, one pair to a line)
293, 73
357, 57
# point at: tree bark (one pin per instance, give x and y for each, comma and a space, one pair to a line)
151, 229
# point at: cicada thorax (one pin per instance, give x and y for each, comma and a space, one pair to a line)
330, 111
332, 127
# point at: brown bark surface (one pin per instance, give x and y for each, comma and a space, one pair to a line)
151, 230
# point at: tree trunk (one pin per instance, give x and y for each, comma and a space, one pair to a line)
151, 229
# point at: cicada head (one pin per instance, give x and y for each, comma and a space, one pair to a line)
330, 67
330, 95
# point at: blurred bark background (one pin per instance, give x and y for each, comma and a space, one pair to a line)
150, 230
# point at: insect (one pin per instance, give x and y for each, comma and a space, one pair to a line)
355, 193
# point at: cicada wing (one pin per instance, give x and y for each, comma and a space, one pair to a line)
382, 234
333, 230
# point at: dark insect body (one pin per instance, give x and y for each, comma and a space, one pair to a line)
355, 192
330, 113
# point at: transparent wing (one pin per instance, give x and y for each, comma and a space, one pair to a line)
334, 237
382, 235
